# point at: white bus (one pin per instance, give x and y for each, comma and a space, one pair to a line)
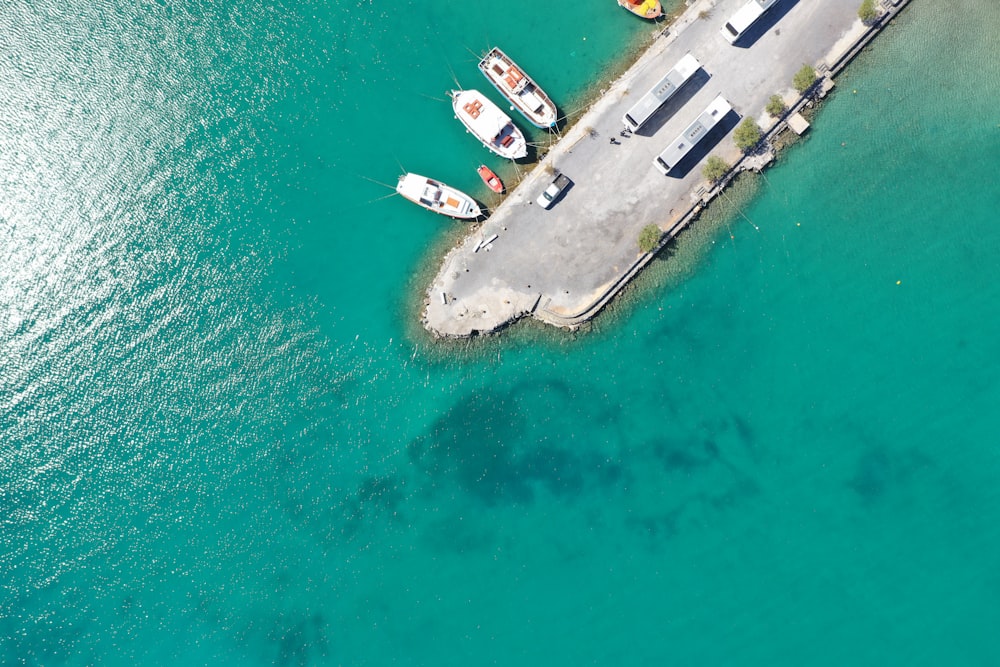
690, 137
661, 92
744, 18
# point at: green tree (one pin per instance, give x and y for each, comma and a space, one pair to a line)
867, 12
804, 78
649, 237
715, 168
747, 134
775, 106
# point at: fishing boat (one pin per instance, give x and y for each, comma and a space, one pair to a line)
647, 9
438, 197
490, 125
519, 88
490, 179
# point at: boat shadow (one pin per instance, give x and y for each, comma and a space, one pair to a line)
534, 151
766, 22
562, 122
675, 103
485, 210
706, 145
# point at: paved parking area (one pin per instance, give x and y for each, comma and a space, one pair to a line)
564, 259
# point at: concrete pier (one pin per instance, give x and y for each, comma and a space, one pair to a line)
564, 264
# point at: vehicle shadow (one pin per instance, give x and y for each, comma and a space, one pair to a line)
765, 23
675, 103
705, 146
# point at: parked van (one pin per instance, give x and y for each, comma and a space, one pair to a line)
741, 21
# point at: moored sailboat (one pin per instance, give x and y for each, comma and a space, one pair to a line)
519, 88
491, 126
438, 197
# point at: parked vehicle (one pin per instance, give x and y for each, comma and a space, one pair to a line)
551, 193
658, 95
694, 133
744, 18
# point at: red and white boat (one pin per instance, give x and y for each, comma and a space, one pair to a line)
520, 89
490, 125
490, 179
647, 9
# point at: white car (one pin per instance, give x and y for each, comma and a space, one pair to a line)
551, 193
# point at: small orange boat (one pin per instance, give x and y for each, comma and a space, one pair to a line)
490, 179
647, 9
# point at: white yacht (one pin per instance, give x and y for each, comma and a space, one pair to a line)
438, 197
491, 126
519, 88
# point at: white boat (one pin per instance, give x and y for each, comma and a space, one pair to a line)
490, 125
519, 88
438, 197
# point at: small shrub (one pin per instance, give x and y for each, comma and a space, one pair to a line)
715, 168
747, 134
649, 237
775, 106
867, 11
804, 78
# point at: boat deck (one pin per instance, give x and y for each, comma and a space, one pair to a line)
489, 124
520, 89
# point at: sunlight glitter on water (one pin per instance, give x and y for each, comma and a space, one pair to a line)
218, 445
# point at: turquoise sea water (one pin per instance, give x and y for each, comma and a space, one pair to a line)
223, 440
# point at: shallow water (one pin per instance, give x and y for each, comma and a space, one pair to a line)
223, 441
